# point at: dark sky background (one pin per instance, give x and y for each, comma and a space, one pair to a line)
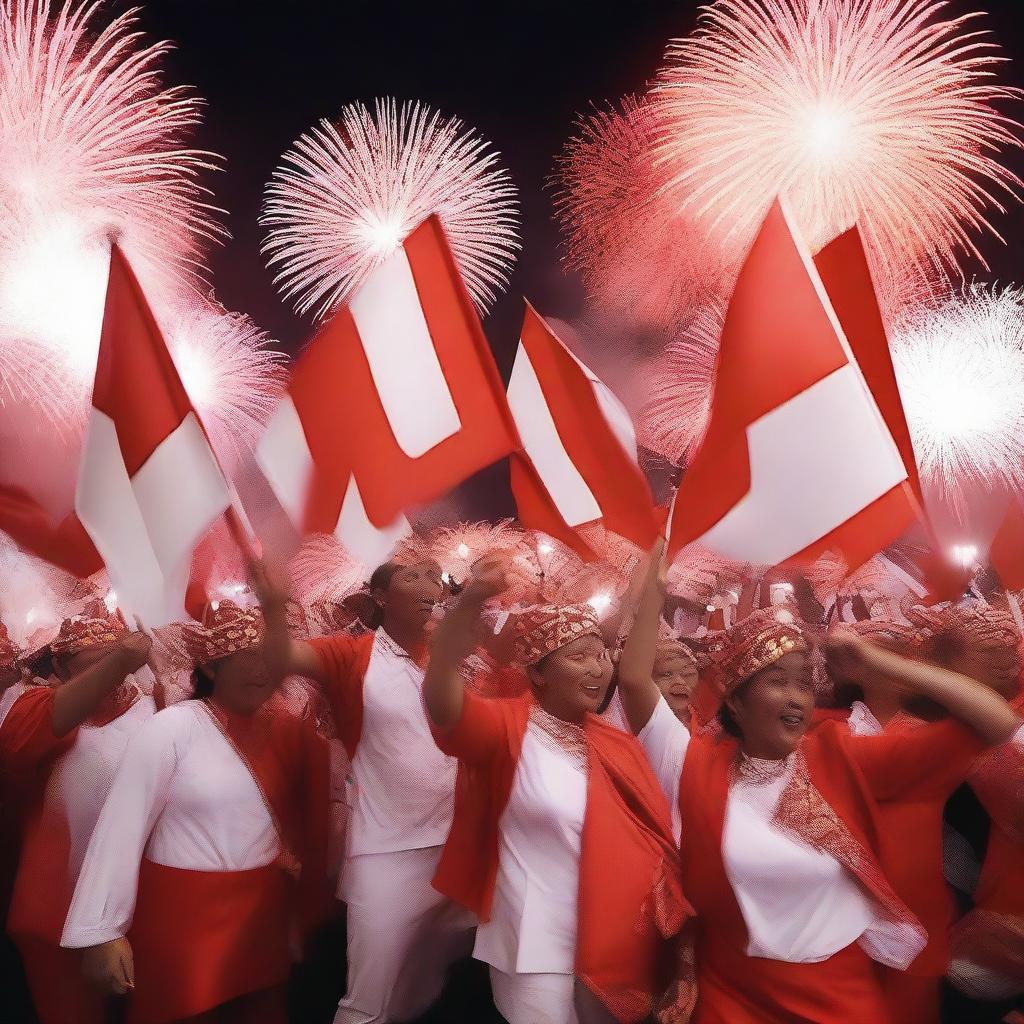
518, 73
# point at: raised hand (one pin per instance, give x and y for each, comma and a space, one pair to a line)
488, 578
134, 650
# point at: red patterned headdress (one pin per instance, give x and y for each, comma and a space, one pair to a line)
982, 624
754, 643
669, 644
544, 629
225, 629
93, 627
897, 635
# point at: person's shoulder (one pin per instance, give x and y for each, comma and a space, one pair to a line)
172, 722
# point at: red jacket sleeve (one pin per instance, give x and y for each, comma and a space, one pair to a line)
916, 763
27, 739
344, 659
479, 732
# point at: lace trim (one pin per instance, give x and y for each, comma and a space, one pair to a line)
896, 939
566, 737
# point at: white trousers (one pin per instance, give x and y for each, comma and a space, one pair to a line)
403, 936
545, 999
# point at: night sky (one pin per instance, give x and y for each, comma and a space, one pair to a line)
518, 73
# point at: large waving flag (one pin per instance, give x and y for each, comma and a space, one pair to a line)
149, 485
798, 458
578, 461
395, 401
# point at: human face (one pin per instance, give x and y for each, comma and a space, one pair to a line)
994, 663
773, 708
574, 679
676, 677
241, 682
411, 595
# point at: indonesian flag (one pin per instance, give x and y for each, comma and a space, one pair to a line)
149, 485
395, 401
798, 459
578, 461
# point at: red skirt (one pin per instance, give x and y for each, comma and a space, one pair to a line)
201, 938
734, 988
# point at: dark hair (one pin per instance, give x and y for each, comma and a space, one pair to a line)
845, 692
383, 575
202, 683
726, 719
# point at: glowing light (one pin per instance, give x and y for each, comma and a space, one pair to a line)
601, 602
965, 555
462, 551
214, 605
91, 144
110, 601
960, 369
230, 371
870, 111
545, 547
346, 196
30, 616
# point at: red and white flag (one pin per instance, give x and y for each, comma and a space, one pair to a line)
149, 485
578, 460
797, 459
395, 401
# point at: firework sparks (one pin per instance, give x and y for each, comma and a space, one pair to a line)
635, 251
873, 111
675, 416
960, 369
230, 372
346, 196
90, 144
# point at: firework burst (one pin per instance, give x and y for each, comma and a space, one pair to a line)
675, 415
960, 369
230, 372
91, 145
345, 198
634, 250
874, 111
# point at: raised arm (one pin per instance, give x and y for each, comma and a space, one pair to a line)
75, 700
455, 638
639, 692
978, 707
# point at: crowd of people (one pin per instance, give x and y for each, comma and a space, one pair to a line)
792, 812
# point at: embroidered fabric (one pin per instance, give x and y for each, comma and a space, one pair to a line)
564, 736
897, 937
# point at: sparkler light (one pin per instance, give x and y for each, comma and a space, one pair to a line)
346, 196
90, 144
876, 111
960, 369
675, 416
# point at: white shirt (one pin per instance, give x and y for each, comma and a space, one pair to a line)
534, 915
799, 905
82, 776
181, 797
403, 787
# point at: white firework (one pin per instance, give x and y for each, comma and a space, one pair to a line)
874, 111
346, 196
229, 369
91, 145
675, 415
960, 368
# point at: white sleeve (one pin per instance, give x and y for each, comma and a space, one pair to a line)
665, 739
104, 899
1018, 737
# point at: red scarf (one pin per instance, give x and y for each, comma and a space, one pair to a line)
290, 764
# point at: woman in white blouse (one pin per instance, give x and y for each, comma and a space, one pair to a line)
780, 838
212, 838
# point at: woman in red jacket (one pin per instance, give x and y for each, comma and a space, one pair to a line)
561, 841
783, 851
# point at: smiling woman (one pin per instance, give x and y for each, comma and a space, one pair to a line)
780, 825
561, 798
